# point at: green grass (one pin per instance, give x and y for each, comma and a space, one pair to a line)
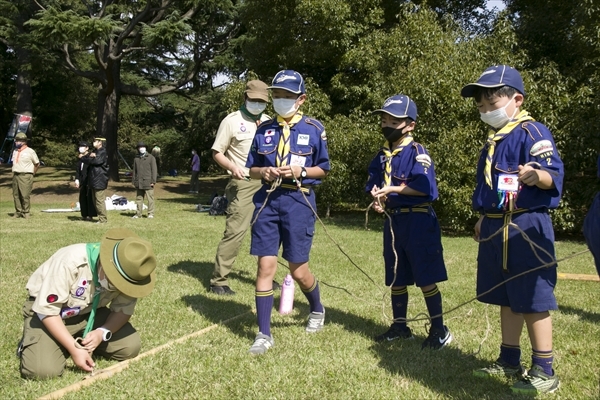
341, 362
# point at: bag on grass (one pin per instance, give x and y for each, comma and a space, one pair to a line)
218, 205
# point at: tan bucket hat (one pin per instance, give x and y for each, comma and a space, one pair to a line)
128, 262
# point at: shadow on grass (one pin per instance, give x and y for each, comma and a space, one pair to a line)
586, 315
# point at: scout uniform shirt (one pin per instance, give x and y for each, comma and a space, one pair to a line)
24, 160
527, 142
64, 285
234, 138
411, 167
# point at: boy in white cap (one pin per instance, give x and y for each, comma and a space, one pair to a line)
290, 150
68, 298
519, 179
402, 182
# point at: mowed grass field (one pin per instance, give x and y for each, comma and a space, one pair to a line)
341, 362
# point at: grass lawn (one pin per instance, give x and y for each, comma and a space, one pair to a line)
341, 362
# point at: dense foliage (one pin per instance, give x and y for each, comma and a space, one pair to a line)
353, 53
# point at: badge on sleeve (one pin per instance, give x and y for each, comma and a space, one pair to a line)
542, 149
323, 136
51, 298
69, 312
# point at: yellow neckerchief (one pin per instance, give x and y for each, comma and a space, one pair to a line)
283, 147
387, 177
494, 137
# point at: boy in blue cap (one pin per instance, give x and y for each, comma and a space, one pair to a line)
290, 150
402, 182
519, 178
591, 227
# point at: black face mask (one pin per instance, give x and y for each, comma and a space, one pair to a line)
392, 134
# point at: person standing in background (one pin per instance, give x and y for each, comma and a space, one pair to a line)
25, 165
195, 164
144, 179
86, 200
98, 176
230, 151
156, 155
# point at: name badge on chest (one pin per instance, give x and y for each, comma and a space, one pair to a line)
508, 183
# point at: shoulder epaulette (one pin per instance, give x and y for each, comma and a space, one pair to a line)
315, 123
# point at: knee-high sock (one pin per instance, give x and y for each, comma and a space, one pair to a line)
433, 299
264, 305
400, 306
313, 295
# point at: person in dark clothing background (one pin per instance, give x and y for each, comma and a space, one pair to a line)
86, 200
97, 161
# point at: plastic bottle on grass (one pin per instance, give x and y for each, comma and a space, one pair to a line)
286, 302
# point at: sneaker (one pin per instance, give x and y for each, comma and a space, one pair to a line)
276, 285
101, 222
499, 368
135, 217
222, 290
437, 338
261, 344
315, 322
536, 381
150, 216
395, 333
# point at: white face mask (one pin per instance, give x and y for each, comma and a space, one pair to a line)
285, 107
497, 118
82, 150
142, 150
106, 285
255, 107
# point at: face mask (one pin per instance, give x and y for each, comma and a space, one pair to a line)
392, 134
285, 107
255, 107
497, 118
82, 150
18, 145
106, 285
142, 150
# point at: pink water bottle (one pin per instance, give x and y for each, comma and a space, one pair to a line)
286, 302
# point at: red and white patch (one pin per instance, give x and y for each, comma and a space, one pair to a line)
541, 147
270, 132
83, 282
52, 298
69, 312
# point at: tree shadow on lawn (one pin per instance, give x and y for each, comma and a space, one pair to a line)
587, 315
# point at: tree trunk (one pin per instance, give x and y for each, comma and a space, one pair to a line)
107, 121
24, 94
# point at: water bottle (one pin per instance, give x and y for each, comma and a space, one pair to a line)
286, 302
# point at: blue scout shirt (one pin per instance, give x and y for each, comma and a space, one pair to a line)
308, 146
530, 141
411, 167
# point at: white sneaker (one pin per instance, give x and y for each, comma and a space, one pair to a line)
135, 217
315, 321
261, 344
150, 216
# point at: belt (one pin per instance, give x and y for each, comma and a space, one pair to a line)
507, 220
287, 186
424, 208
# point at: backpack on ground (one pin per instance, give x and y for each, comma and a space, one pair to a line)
218, 205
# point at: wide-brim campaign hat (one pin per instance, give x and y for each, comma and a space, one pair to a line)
399, 106
128, 262
20, 136
495, 77
288, 80
257, 90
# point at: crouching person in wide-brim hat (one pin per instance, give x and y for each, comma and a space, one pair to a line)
80, 301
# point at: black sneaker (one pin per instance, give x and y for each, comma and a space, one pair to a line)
276, 285
437, 339
222, 290
395, 333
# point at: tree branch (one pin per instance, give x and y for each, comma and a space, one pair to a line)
71, 67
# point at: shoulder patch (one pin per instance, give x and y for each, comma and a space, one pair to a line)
424, 160
323, 135
541, 147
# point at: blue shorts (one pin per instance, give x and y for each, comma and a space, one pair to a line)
285, 219
418, 244
532, 292
591, 230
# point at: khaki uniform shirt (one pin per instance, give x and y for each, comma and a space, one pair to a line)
24, 162
235, 136
64, 285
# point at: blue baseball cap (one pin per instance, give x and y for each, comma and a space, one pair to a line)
399, 106
288, 80
495, 77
